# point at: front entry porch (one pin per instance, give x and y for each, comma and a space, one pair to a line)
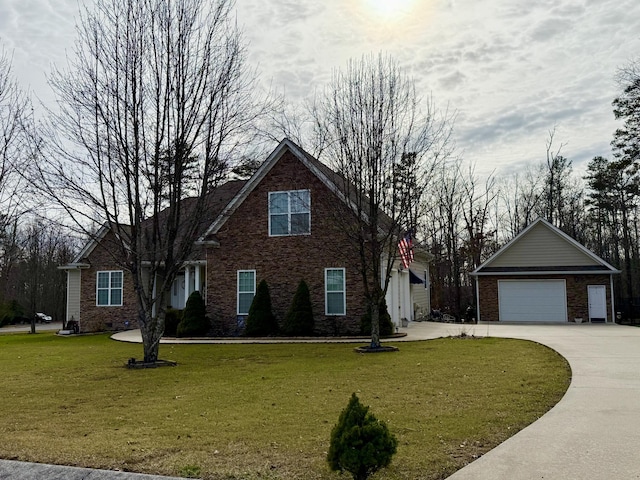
189, 280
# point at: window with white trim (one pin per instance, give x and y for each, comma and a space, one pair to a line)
109, 289
290, 213
246, 290
335, 291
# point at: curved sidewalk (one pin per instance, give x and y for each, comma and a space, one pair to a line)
593, 433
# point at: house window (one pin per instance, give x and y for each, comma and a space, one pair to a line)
109, 289
334, 291
290, 213
246, 290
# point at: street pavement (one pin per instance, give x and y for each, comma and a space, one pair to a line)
12, 470
40, 327
592, 434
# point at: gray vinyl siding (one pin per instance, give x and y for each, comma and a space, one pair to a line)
73, 294
419, 294
541, 247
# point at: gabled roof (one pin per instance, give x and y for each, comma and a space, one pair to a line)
542, 248
90, 245
326, 176
213, 205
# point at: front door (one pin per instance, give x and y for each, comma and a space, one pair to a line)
177, 292
597, 303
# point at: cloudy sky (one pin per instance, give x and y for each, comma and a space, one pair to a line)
511, 69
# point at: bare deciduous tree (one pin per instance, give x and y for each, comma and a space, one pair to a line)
385, 146
152, 105
15, 124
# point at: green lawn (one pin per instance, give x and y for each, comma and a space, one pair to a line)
265, 411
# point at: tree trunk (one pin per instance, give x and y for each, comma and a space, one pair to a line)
151, 330
375, 323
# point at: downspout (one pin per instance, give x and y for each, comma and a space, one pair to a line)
613, 307
477, 299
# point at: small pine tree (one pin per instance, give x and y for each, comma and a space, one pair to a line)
261, 322
360, 443
386, 325
194, 321
299, 319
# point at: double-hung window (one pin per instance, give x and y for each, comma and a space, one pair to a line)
290, 212
246, 290
109, 289
335, 291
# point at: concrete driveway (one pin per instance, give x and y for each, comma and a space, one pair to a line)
594, 431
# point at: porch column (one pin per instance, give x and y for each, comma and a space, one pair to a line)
197, 278
187, 284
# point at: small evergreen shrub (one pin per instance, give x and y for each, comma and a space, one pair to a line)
171, 320
261, 322
10, 312
386, 325
299, 319
360, 443
194, 321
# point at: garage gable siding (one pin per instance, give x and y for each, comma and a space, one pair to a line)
542, 247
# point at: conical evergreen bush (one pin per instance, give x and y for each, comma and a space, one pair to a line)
194, 321
360, 443
261, 322
299, 320
386, 325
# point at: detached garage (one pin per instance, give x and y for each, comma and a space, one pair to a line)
544, 276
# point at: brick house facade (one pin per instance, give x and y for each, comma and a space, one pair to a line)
543, 275
117, 315
242, 244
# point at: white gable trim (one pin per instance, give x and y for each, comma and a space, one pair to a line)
259, 175
561, 234
91, 244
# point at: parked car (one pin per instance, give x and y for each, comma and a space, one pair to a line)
41, 317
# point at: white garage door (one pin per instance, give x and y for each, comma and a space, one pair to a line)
532, 300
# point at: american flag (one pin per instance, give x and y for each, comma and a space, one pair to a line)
405, 246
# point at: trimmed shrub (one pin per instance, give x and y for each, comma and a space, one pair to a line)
360, 443
171, 320
386, 325
261, 322
10, 312
194, 321
299, 319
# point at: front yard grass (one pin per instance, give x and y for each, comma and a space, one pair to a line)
265, 411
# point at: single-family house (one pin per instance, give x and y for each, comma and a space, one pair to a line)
281, 226
544, 276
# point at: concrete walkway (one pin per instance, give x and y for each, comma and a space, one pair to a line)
593, 433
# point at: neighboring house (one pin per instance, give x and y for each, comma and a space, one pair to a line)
544, 276
280, 226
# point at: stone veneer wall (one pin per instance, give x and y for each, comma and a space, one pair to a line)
284, 261
577, 295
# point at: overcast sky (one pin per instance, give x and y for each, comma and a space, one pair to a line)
511, 69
